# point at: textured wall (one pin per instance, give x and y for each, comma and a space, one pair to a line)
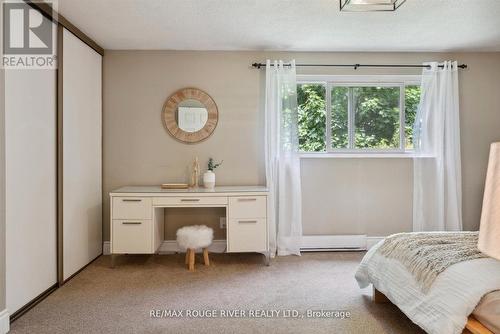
341, 195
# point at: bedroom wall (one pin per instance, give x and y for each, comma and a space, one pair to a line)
341, 195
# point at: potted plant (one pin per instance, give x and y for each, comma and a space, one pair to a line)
209, 176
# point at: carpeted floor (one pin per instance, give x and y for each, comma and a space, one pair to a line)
119, 300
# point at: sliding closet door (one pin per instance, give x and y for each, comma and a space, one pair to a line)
30, 140
81, 156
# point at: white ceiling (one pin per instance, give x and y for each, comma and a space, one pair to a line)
292, 25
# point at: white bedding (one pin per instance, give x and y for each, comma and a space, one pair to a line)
445, 307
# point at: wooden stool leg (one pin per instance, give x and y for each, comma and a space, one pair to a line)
205, 256
187, 256
191, 260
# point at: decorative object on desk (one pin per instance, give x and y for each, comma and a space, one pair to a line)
489, 232
195, 173
209, 176
174, 186
190, 238
190, 115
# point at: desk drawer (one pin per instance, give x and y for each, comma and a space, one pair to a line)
189, 201
131, 208
132, 236
247, 235
247, 207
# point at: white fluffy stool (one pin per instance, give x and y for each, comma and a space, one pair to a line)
192, 237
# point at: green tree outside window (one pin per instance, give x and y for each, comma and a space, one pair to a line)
375, 111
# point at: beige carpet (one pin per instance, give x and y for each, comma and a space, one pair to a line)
105, 300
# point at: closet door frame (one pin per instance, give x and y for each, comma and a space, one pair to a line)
59, 150
69, 266
60, 138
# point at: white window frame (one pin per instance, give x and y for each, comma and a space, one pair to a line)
330, 81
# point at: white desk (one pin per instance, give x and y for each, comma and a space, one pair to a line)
137, 217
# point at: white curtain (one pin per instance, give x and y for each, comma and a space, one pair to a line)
282, 160
437, 202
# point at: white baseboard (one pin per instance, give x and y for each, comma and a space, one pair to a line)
4, 322
310, 243
372, 241
317, 243
171, 246
106, 248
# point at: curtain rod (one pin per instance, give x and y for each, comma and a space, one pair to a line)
356, 66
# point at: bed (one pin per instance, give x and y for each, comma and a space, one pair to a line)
487, 312
464, 298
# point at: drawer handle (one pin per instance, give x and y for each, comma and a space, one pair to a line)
132, 200
247, 199
131, 223
247, 221
190, 200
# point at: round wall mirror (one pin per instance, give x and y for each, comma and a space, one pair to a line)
190, 115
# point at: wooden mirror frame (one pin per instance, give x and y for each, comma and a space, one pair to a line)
170, 108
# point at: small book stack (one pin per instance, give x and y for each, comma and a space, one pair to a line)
174, 186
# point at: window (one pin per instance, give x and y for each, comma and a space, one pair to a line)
361, 114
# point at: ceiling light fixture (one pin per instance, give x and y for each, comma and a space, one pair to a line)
370, 5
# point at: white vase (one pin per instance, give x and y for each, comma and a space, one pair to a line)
209, 179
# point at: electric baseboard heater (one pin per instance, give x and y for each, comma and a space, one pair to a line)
323, 243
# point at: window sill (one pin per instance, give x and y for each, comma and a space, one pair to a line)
376, 155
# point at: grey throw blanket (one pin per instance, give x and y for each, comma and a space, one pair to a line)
427, 254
